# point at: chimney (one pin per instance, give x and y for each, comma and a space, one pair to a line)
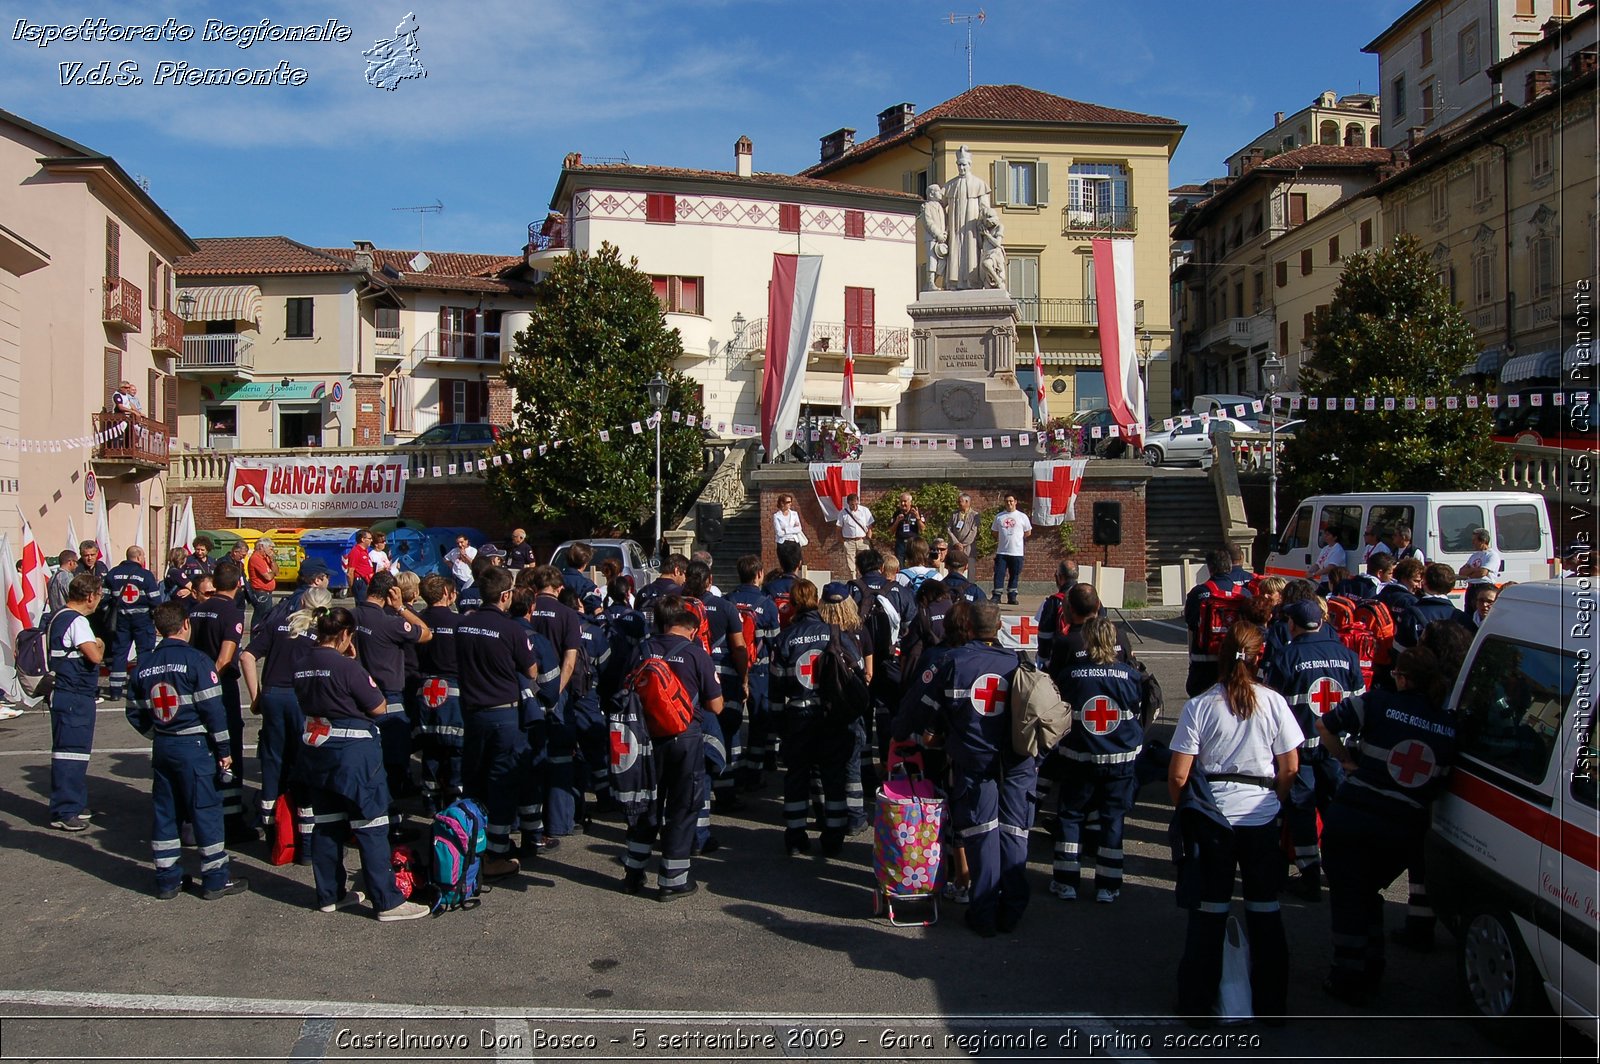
1328, 99
1582, 63
1277, 119
743, 156
364, 255
1252, 159
1402, 158
837, 143
1539, 83
1413, 135
896, 119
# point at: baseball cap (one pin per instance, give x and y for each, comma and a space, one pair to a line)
835, 591
312, 568
489, 550
1306, 613
593, 601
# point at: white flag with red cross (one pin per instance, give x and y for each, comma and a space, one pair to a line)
1055, 490
832, 481
1019, 633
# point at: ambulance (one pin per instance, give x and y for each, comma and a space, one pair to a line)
1513, 854
1441, 523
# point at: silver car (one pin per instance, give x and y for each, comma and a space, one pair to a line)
1188, 444
626, 551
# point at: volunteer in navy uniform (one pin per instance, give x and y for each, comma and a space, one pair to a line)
1401, 746
564, 628
496, 660
1314, 672
283, 643
1234, 755
593, 683
175, 699
384, 625
731, 659
1438, 580
217, 629
519, 555
991, 786
576, 573
810, 743
200, 562
1107, 696
135, 590
75, 656
1203, 664
439, 696
679, 759
341, 769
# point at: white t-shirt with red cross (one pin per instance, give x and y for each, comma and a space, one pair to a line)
1011, 526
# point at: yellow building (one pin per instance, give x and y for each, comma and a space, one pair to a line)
1062, 172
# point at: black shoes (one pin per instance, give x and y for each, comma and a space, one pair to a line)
633, 883
711, 845
797, 845
173, 891
670, 893
1307, 887
234, 886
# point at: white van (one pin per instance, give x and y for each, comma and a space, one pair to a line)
1513, 854
1441, 523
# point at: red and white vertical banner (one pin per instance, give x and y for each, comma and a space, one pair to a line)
183, 532
791, 299
847, 398
1113, 288
1041, 408
25, 600
102, 527
832, 481
1055, 491
72, 536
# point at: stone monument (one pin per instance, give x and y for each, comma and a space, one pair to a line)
964, 322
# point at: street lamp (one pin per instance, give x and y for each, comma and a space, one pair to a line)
1272, 369
657, 390
1146, 342
186, 302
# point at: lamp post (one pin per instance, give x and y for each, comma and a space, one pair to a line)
1272, 368
736, 345
657, 389
1146, 342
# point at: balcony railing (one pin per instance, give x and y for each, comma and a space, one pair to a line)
387, 342
1537, 313
1240, 333
1489, 317
122, 308
1065, 312
457, 346
217, 353
169, 333
134, 439
198, 469
1099, 220
891, 343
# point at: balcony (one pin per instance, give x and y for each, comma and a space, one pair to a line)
136, 449
122, 310
1238, 334
1092, 221
457, 347
218, 355
1488, 317
388, 343
1065, 312
871, 344
168, 334
1538, 313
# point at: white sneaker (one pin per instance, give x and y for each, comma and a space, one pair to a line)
406, 910
9, 712
352, 899
1064, 892
100, 699
958, 895
1106, 896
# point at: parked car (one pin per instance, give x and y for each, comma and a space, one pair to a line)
1226, 404
1086, 421
628, 552
469, 433
1191, 443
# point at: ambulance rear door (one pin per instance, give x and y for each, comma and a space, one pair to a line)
1569, 871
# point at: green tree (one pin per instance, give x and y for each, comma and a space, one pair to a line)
1390, 331
582, 365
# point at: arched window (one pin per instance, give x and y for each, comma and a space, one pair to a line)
1354, 137
1328, 133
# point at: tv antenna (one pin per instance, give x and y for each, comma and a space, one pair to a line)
979, 18
420, 260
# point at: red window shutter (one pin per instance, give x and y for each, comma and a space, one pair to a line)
1281, 273
660, 207
447, 401
446, 336
166, 287
689, 295
477, 396
855, 225
113, 248
155, 279
789, 217
662, 287
860, 306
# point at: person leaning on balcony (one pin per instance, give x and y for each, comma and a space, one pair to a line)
125, 400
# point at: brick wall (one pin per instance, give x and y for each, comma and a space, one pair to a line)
367, 392
500, 403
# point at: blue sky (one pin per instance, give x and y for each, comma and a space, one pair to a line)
511, 87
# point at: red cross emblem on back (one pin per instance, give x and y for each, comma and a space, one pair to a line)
1024, 630
434, 692
317, 731
1411, 763
989, 694
1325, 695
130, 593
624, 751
164, 702
1101, 714
806, 667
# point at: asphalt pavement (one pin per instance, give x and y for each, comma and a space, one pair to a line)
774, 956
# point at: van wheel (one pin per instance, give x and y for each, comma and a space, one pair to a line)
1500, 978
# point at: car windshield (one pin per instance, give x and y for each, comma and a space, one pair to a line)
437, 434
602, 552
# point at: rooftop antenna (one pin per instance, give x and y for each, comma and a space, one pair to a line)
420, 260
979, 18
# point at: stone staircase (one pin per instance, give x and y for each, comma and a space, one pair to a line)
741, 535
1181, 521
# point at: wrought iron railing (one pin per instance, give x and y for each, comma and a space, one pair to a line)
122, 308
132, 438
217, 351
1099, 220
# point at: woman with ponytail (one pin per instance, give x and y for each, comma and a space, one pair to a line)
1234, 755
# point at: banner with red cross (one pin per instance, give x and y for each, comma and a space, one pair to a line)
832, 481
1055, 491
1019, 633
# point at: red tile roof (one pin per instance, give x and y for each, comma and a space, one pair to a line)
729, 177
453, 270
1000, 103
245, 256
1326, 155
242, 255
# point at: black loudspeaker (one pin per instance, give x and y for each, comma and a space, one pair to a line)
1107, 524
708, 522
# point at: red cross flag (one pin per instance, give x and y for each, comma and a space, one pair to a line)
1412, 763
832, 481
1055, 491
434, 692
1019, 633
1101, 715
316, 731
989, 694
164, 702
624, 750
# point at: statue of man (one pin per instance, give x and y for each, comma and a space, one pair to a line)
936, 235
966, 197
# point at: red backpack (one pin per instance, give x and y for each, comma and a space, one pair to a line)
1218, 612
785, 604
1380, 622
747, 619
1353, 632
703, 632
664, 701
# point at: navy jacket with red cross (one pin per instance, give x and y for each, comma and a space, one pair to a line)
795, 689
336, 695
1314, 673
1403, 746
971, 706
216, 621
135, 589
437, 657
1105, 702
175, 691
597, 675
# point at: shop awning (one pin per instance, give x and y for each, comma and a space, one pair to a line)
1538, 364
1487, 364
824, 390
1579, 361
235, 302
1061, 358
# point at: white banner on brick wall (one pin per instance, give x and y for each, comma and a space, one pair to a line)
364, 487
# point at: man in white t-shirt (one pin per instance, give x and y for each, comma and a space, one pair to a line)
854, 522
1485, 567
460, 561
1011, 528
1331, 557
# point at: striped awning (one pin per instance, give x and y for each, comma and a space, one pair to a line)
1580, 359
1487, 363
1060, 358
235, 302
1531, 366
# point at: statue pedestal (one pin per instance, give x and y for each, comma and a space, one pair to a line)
963, 363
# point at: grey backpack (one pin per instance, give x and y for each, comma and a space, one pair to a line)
1039, 718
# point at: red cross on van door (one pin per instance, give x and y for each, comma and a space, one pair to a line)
806, 669
1411, 763
1101, 714
316, 731
1325, 695
989, 694
434, 692
164, 702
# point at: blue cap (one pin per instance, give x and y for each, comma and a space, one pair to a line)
835, 591
1306, 613
312, 568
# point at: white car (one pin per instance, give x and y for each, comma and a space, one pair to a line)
1188, 444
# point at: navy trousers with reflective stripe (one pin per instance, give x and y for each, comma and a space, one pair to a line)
680, 773
185, 791
564, 793
496, 768
349, 796
1087, 788
809, 745
1313, 789
71, 739
394, 732
1258, 855
1364, 850
129, 633
990, 819
277, 744
232, 794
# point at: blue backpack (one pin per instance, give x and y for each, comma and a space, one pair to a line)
460, 836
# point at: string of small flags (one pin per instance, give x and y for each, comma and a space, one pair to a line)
69, 443
1369, 404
